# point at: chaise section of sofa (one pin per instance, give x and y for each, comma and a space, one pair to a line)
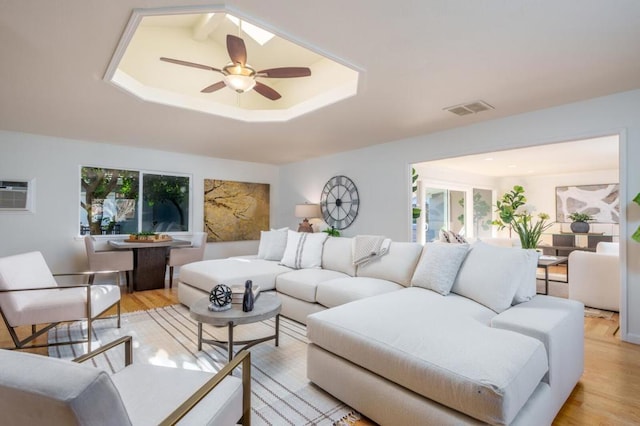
466, 351
441, 348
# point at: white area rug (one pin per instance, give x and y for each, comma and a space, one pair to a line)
281, 392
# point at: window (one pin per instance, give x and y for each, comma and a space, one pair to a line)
112, 201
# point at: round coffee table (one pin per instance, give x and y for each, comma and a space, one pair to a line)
266, 306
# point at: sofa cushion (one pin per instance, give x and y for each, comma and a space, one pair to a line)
233, 271
493, 287
483, 372
302, 283
344, 290
338, 256
397, 265
304, 250
438, 266
272, 244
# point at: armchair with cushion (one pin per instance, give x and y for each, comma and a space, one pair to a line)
182, 256
594, 278
30, 295
35, 389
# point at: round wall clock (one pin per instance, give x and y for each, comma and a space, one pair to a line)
339, 202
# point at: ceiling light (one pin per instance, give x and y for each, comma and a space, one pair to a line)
239, 78
488, 159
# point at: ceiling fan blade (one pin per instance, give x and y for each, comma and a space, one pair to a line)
285, 72
237, 50
266, 91
216, 86
190, 64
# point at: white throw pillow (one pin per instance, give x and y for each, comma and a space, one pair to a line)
439, 266
304, 250
272, 244
527, 287
491, 275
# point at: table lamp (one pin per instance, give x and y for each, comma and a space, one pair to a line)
307, 211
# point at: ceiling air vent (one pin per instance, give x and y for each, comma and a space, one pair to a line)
469, 108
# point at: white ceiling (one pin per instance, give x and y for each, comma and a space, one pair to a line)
561, 158
417, 57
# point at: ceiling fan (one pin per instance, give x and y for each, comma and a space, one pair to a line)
241, 77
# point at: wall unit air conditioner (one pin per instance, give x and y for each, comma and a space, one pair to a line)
16, 195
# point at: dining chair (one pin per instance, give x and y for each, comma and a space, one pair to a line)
37, 390
182, 256
115, 261
31, 296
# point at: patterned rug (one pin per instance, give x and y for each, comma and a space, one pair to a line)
167, 336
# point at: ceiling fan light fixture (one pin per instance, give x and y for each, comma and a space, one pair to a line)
239, 78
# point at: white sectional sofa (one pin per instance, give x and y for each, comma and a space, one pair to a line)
437, 335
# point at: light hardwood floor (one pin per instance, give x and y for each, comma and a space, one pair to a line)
607, 394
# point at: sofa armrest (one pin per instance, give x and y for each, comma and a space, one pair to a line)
559, 325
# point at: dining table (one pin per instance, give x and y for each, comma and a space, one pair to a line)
149, 260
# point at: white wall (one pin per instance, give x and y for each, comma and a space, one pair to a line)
382, 172
55, 164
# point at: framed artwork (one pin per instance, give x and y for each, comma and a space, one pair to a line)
235, 211
602, 202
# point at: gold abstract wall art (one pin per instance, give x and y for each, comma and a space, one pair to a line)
235, 211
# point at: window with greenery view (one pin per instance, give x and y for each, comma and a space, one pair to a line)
113, 201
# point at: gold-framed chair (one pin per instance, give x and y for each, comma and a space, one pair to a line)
66, 392
31, 296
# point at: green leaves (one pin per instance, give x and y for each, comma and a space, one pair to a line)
636, 235
521, 222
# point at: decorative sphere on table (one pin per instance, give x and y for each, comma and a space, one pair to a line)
220, 298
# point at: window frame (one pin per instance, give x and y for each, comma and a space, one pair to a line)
140, 201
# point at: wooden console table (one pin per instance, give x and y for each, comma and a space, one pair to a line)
149, 261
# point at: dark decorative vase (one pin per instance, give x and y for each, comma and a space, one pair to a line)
580, 227
247, 299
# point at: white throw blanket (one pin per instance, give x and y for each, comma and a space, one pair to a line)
368, 247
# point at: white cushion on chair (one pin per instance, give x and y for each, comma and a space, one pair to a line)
150, 393
38, 390
29, 270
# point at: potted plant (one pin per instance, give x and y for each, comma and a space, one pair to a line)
415, 211
579, 223
529, 230
507, 207
332, 232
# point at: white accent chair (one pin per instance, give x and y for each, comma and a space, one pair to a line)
30, 295
182, 256
594, 278
115, 261
38, 390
